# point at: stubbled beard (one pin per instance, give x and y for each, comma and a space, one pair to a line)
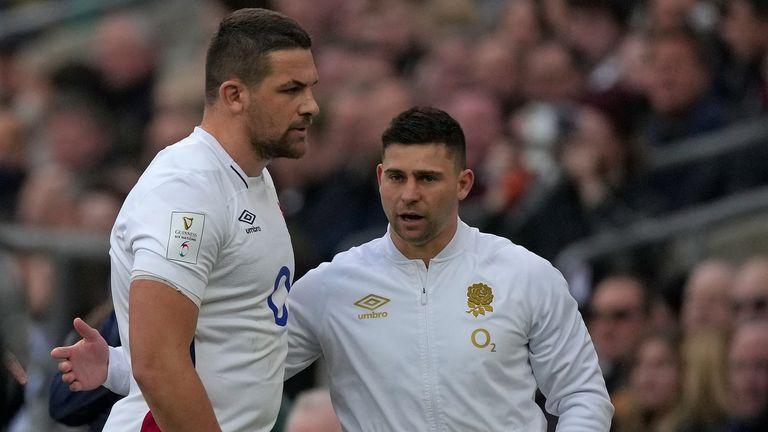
278, 148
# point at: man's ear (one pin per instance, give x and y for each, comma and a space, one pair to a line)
466, 180
234, 95
379, 171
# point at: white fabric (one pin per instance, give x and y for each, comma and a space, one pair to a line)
421, 362
196, 220
119, 372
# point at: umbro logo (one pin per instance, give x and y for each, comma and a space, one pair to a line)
372, 302
249, 218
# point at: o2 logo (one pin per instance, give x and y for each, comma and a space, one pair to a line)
481, 339
283, 280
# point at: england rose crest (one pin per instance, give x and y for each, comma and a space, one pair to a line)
479, 298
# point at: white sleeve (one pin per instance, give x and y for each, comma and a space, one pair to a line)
118, 372
304, 318
184, 210
564, 361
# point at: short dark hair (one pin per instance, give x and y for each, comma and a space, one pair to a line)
427, 125
240, 47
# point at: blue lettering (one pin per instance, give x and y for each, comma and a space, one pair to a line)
283, 279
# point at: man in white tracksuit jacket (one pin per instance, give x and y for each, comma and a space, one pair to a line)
436, 326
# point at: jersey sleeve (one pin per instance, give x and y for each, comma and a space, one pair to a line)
305, 309
563, 358
176, 232
119, 371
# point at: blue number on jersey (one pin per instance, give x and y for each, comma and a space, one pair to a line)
281, 316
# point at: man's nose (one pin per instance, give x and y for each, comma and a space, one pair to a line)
309, 106
410, 192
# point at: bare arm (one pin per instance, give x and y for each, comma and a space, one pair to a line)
162, 326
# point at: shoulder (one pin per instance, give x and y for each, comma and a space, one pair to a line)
356, 259
344, 266
530, 274
502, 251
189, 156
186, 170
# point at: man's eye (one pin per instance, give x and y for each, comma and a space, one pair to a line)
395, 177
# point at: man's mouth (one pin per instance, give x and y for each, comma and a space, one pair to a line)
411, 216
303, 126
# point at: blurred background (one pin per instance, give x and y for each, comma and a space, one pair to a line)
625, 141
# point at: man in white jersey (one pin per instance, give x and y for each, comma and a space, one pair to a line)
436, 326
201, 257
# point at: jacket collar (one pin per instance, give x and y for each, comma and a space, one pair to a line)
453, 248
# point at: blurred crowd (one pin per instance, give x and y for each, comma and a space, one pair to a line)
561, 102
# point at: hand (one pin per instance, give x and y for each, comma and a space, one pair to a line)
83, 365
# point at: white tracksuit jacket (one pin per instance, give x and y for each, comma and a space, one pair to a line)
460, 345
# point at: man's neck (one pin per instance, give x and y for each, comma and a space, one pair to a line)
234, 140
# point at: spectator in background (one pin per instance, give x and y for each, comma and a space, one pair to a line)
349, 65
748, 377
552, 74
497, 71
703, 400
634, 70
749, 295
680, 88
616, 319
551, 81
443, 69
521, 25
126, 57
744, 28
596, 28
312, 412
391, 31
97, 203
78, 133
600, 186
481, 112
706, 297
654, 370
47, 201
320, 21
683, 105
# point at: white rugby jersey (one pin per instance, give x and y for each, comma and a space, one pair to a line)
197, 221
459, 346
